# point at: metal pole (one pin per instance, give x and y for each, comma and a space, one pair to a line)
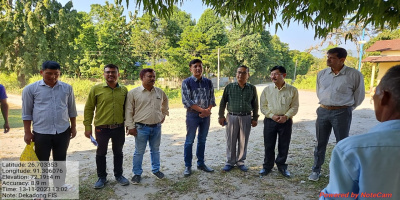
361, 49
218, 72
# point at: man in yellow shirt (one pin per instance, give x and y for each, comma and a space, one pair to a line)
107, 100
279, 102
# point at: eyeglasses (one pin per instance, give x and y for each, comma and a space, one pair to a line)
275, 74
111, 72
242, 73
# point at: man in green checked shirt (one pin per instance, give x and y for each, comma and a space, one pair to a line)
240, 99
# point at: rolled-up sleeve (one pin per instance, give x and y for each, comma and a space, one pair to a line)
27, 104
71, 104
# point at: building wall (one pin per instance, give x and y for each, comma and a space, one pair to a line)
390, 53
383, 67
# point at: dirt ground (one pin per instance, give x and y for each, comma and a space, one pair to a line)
209, 185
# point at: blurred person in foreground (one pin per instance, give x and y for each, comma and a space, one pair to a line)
368, 164
4, 108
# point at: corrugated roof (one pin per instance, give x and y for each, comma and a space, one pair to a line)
385, 45
376, 59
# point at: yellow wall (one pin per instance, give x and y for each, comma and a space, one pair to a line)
383, 67
390, 53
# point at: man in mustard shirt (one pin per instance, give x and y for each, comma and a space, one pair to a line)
108, 99
146, 108
279, 102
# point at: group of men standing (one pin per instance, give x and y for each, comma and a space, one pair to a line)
50, 105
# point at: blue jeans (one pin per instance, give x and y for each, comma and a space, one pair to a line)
144, 134
193, 121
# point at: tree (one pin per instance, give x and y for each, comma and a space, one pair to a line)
34, 31
323, 16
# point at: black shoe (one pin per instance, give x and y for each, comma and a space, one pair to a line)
243, 168
205, 168
264, 172
136, 179
122, 180
159, 175
227, 168
100, 183
187, 172
284, 172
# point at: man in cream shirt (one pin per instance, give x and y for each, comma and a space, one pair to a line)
279, 102
145, 111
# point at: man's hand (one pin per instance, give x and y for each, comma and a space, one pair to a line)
282, 119
73, 132
162, 121
87, 134
29, 137
254, 123
132, 132
6, 127
275, 118
205, 113
222, 121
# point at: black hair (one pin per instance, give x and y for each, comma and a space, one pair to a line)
50, 65
280, 68
341, 53
194, 61
244, 66
111, 66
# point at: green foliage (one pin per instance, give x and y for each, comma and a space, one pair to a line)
323, 16
308, 82
10, 82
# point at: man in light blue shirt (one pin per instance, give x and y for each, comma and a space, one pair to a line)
49, 106
367, 166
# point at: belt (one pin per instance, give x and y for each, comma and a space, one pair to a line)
111, 126
240, 113
333, 107
149, 125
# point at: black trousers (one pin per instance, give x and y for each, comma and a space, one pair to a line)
58, 145
273, 129
117, 136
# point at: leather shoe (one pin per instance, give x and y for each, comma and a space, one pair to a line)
205, 168
243, 168
264, 172
284, 172
227, 168
187, 172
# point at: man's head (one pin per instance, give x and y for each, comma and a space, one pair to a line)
196, 67
387, 96
242, 74
148, 77
336, 57
278, 74
50, 72
111, 73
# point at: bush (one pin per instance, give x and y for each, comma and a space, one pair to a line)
10, 82
307, 82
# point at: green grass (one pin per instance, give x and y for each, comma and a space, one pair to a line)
86, 190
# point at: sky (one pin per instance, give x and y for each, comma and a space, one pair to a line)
296, 36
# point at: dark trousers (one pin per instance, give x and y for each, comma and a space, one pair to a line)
117, 136
273, 129
58, 144
340, 121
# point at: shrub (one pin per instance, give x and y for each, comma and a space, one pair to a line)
10, 82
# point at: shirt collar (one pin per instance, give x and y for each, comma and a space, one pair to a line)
245, 85
41, 82
195, 79
144, 89
284, 86
342, 71
387, 125
106, 85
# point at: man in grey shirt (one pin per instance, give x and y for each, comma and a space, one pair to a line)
49, 106
340, 89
